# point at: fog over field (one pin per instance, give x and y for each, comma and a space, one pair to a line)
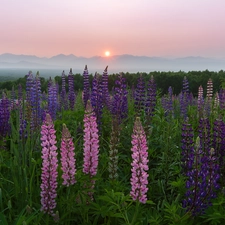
19, 65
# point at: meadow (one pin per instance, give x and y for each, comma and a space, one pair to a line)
120, 156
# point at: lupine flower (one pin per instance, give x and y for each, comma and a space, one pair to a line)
184, 98
200, 100
4, 116
150, 101
97, 98
71, 94
105, 89
49, 166
63, 99
52, 100
119, 102
91, 142
139, 99
187, 147
222, 99
209, 93
36, 103
139, 179
202, 173
219, 143
29, 85
167, 102
86, 92
216, 101
67, 157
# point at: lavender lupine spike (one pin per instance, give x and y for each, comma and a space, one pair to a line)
86, 89
222, 98
63, 99
36, 103
29, 85
187, 155
71, 94
150, 101
105, 89
219, 144
4, 116
139, 99
22, 119
184, 98
52, 100
96, 98
67, 157
49, 166
119, 103
139, 179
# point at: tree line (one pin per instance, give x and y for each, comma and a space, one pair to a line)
163, 81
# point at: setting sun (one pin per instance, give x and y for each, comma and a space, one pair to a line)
107, 53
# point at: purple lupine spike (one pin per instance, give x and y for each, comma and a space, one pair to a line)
139, 99
184, 98
63, 100
36, 112
150, 101
49, 166
105, 89
202, 181
4, 116
139, 179
22, 119
52, 100
219, 143
86, 89
187, 155
222, 98
67, 157
96, 98
205, 135
71, 95
29, 85
119, 102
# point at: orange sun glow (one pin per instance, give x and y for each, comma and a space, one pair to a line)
107, 53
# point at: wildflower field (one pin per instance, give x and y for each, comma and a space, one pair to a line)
125, 156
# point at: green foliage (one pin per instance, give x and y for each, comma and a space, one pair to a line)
20, 168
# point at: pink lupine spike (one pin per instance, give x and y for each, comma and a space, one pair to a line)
49, 166
91, 142
67, 157
139, 179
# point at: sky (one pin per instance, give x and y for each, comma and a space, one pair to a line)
159, 28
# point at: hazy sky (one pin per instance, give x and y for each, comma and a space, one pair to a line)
90, 27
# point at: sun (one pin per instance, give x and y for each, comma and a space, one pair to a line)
107, 53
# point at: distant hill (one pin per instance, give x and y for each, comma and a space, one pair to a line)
116, 63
